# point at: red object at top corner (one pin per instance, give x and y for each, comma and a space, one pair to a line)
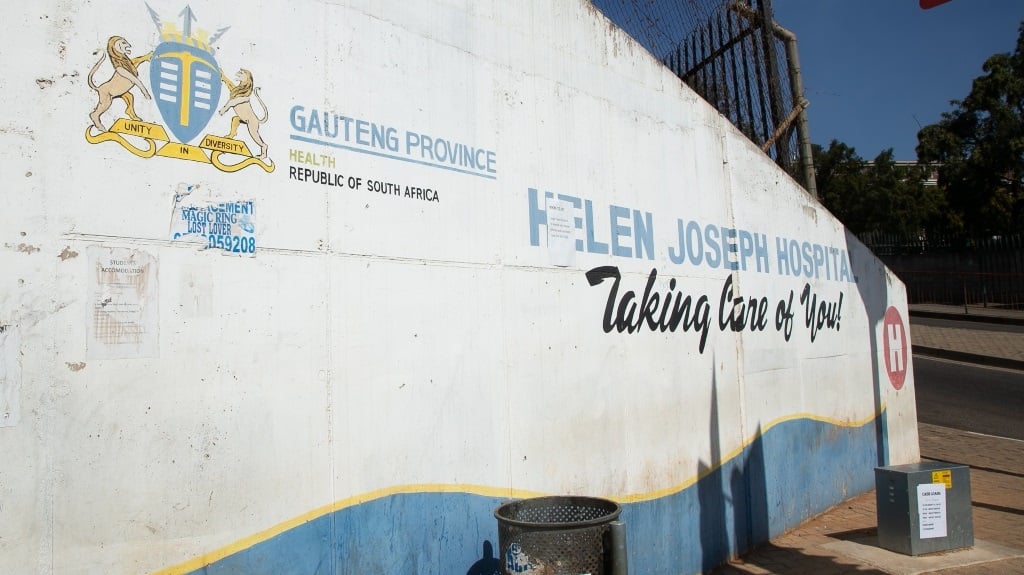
926, 4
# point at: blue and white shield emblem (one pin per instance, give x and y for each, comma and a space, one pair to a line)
186, 87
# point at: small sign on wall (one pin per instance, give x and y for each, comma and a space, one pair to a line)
122, 306
228, 226
561, 233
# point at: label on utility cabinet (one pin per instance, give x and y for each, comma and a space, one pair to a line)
931, 510
944, 476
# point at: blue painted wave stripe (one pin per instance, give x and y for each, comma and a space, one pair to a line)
788, 474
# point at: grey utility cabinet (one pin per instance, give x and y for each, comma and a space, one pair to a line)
924, 507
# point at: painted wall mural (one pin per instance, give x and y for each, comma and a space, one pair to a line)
507, 254
185, 79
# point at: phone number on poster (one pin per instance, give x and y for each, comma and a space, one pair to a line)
233, 244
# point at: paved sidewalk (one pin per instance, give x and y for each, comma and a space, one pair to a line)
969, 313
987, 343
844, 539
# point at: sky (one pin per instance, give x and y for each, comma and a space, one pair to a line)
875, 71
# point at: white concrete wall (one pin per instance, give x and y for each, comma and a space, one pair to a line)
363, 391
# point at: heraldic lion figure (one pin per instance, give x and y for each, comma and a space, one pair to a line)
124, 77
244, 114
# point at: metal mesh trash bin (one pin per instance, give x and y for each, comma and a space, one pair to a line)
558, 535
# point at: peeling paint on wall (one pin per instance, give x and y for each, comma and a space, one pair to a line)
67, 254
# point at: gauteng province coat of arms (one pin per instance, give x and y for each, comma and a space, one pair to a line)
185, 82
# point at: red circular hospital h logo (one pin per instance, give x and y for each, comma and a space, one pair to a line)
894, 345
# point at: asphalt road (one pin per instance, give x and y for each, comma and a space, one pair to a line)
969, 397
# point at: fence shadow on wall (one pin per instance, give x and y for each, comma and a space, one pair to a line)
732, 496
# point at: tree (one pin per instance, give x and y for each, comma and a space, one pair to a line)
876, 196
979, 148
900, 201
842, 184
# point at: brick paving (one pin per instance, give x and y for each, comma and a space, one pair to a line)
997, 491
1003, 344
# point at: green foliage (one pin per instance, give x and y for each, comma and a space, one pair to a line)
977, 149
979, 146
842, 184
877, 196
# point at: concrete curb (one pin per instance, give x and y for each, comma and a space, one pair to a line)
980, 318
964, 356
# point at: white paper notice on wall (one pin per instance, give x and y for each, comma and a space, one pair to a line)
122, 306
10, 375
561, 233
931, 510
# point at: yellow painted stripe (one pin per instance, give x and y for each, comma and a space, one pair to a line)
659, 493
487, 491
271, 532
